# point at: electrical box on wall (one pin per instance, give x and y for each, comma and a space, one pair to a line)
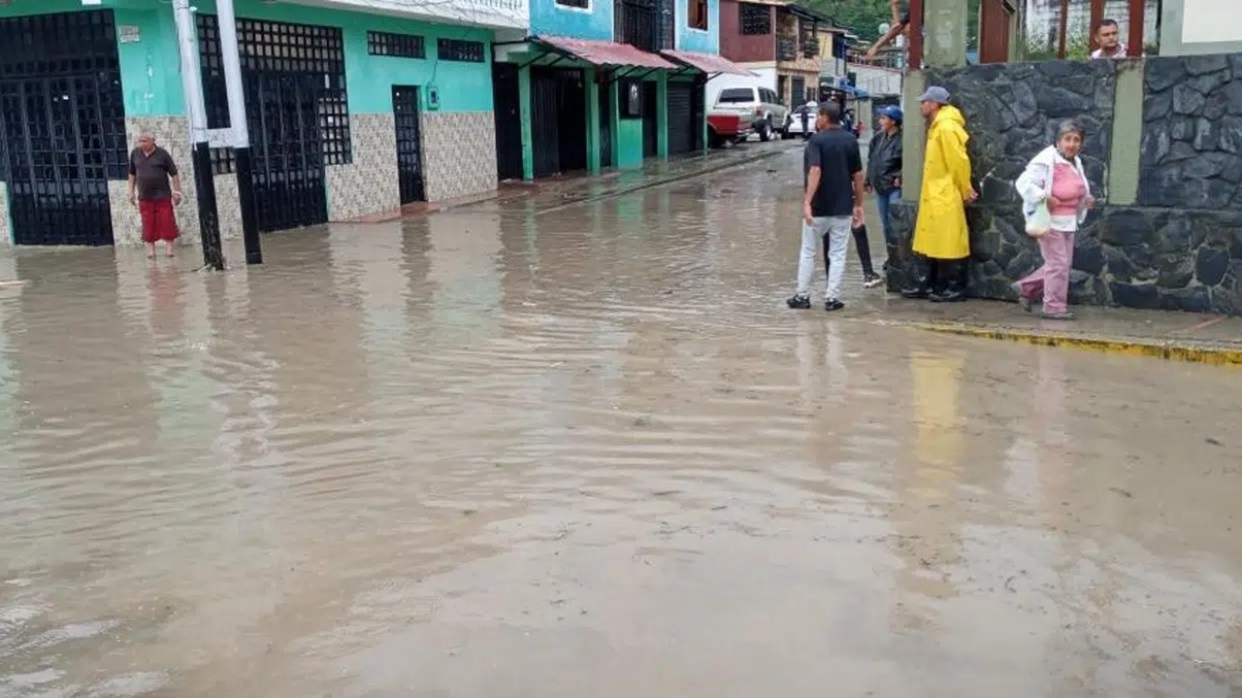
433, 98
631, 99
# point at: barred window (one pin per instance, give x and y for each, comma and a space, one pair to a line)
460, 50
222, 161
756, 20
584, 4
398, 45
334, 129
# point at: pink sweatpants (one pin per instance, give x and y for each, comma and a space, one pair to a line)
1052, 279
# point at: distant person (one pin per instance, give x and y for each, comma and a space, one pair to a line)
884, 171
831, 205
809, 116
155, 188
941, 237
1108, 38
1054, 179
900, 25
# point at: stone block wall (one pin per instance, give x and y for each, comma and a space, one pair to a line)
6, 235
368, 184
459, 153
1176, 246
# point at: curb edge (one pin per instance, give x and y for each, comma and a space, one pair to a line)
1169, 351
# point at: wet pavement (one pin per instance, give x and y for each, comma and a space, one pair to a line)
495, 452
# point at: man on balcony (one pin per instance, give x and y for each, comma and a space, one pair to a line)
901, 23
1108, 38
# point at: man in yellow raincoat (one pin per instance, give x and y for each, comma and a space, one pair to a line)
941, 237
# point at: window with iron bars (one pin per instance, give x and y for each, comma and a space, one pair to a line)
645, 24
755, 20
581, 4
279, 47
396, 45
461, 51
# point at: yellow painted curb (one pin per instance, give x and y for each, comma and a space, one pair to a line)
1170, 351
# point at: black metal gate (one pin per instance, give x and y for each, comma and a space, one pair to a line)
680, 118
605, 124
409, 144
651, 120
507, 108
62, 126
558, 120
293, 76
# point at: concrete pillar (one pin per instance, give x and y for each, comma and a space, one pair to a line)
594, 158
1127, 136
913, 135
528, 145
944, 32
662, 114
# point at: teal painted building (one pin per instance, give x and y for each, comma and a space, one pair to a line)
351, 113
602, 84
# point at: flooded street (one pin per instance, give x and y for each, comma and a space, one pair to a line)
585, 451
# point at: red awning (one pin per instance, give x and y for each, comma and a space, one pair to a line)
708, 63
605, 52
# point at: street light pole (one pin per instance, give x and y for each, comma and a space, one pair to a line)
231, 62
204, 179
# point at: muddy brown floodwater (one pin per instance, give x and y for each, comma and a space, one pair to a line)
584, 453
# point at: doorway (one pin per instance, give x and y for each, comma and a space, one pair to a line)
507, 109
409, 143
558, 120
62, 126
651, 120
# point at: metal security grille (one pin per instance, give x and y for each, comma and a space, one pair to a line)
756, 20
293, 76
397, 45
680, 118
645, 24
62, 126
409, 144
461, 50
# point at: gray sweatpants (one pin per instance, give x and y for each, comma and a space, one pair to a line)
838, 230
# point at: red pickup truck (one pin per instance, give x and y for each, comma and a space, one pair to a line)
725, 129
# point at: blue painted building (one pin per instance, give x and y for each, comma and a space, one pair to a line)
605, 83
354, 107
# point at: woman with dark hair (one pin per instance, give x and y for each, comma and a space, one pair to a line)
1055, 200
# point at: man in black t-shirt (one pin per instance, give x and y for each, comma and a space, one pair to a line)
832, 205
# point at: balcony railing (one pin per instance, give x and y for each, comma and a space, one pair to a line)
786, 48
510, 14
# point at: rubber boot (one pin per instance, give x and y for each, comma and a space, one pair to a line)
954, 288
924, 278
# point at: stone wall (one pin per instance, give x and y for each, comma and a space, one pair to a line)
1176, 245
6, 235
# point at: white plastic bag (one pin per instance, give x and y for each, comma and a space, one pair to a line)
1039, 223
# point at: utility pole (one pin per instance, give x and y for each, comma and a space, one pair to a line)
204, 179
240, 129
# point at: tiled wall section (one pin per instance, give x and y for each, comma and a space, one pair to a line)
369, 184
459, 153
6, 235
172, 133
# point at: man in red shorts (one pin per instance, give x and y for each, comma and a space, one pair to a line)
155, 187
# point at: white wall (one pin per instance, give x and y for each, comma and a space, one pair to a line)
1204, 21
876, 80
766, 77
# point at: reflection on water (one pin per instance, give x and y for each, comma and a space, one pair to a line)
587, 453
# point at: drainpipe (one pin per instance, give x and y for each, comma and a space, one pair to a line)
240, 129
204, 181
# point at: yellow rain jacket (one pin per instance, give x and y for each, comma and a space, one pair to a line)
941, 231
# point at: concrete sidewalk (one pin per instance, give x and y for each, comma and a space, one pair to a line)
554, 193
1162, 334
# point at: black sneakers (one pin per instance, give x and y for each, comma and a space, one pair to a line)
804, 302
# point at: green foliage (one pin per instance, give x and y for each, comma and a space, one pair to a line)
864, 16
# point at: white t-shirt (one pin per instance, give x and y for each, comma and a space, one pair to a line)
1122, 52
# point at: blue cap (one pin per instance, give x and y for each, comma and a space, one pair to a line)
893, 112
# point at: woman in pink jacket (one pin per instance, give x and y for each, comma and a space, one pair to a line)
1054, 179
